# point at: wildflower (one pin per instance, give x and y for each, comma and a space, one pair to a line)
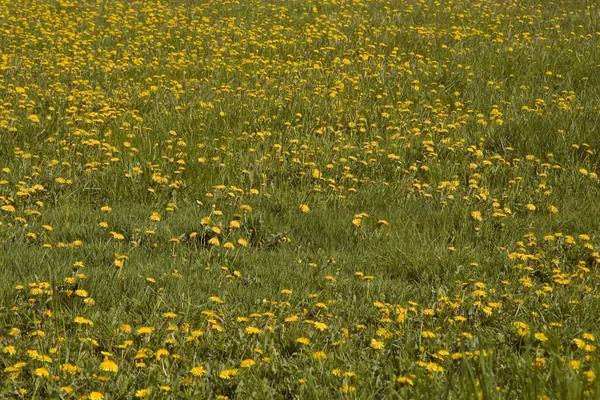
109, 365
320, 326
145, 330
348, 389
540, 336
247, 363
376, 344
319, 355
42, 372
428, 334
252, 330
160, 353
590, 376
143, 393
303, 340
96, 396
117, 236
198, 371
405, 381
476, 215
8, 208
228, 373
83, 321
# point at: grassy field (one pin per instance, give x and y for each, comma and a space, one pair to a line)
311, 199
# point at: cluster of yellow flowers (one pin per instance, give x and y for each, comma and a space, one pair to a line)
333, 198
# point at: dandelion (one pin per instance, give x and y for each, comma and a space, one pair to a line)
348, 389
304, 208
404, 380
590, 376
143, 393
198, 371
428, 334
320, 326
476, 215
145, 330
247, 363
303, 340
109, 365
117, 236
83, 321
155, 216
540, 336
42, 372
228, 373
252, 330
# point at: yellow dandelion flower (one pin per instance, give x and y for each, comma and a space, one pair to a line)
143, 393
109, 365
476, 215
405, 381
145, 330
228, 373
540, 336
8, 208
251, 330
42, 372
303, 340
320, 326
198, 371
83, 321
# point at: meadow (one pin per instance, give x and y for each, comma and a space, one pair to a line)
303, 199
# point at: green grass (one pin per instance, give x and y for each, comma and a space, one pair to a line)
155, 158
